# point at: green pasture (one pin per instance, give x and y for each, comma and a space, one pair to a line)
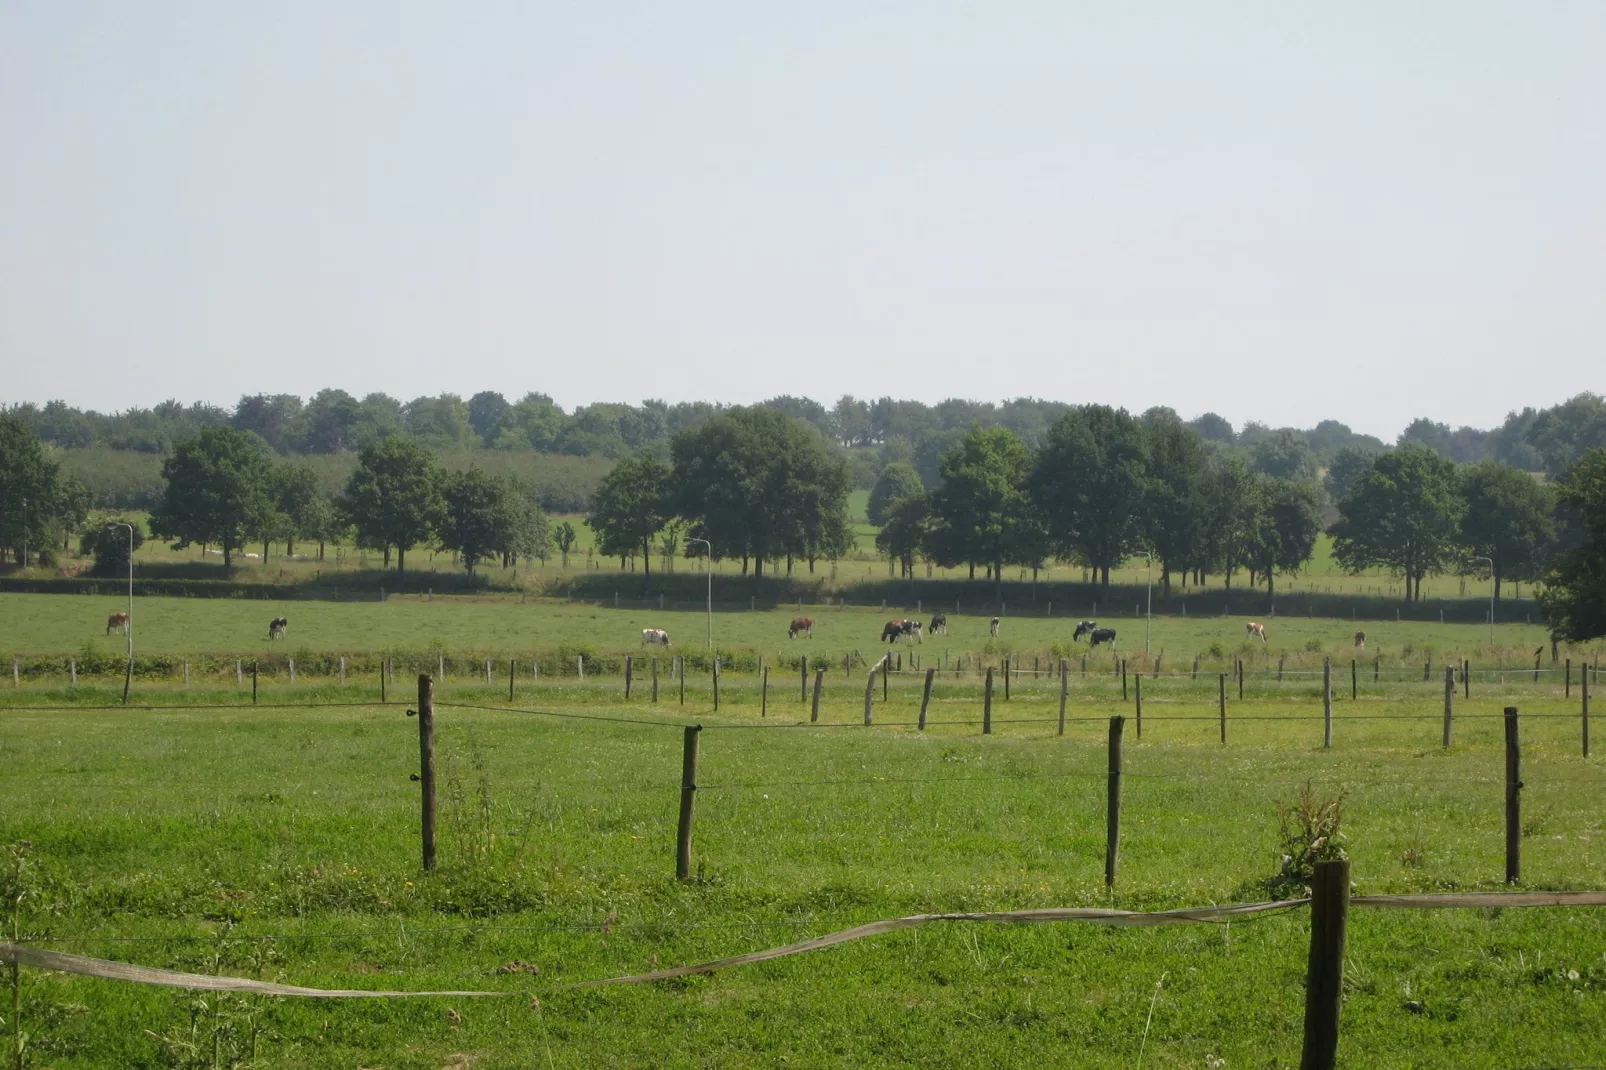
281, 841
501, 625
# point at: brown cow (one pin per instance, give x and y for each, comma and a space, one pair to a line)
117, 622
1254, 629
805, 625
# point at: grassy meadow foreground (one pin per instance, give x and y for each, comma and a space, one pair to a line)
281, 841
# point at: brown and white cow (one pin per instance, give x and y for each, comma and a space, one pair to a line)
117, 622
801, 626
655, 637
899, 629
1255, 630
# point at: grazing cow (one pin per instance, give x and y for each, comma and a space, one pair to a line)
1255, 630
117, 622
898, 629
993, 628
1102, 635
802, 625
1083, 628
277, 627
1360, 640
939, 623
655, 636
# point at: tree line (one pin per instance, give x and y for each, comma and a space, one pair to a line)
873, 432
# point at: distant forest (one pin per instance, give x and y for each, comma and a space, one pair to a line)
539, 441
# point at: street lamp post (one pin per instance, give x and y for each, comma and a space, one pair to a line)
709, 569
128, 674
1491, 596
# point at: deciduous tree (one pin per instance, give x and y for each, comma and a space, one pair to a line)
219, 490
1403, 513
630, 507
393, 499
1509, 519
1575, 586
1088, 481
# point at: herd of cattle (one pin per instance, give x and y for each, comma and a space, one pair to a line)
279, 627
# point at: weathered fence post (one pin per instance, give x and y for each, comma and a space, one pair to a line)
342, 670
487, 672
239, 673
1427, 670
803, 678
1137, 702
1377, 669
72, 671
1006, 678
16, 673
1123, 679
1536, 666
716, 683
1221, 704
512, 669
426, 765
630, 674
1158, 660
1280, 659
186, 675
580, 667
1324, 976
1112, 806
253, 683
1567, 688
655, 681
292, 670
1354, 681
987, 705
819, 685
440, 667
1449, 703
1240, 679
682, 675
764, 693
1583, 683
1466, 678
382, 674
1065, 688
688, 801
1327, 702
925, 698
1513, 799
869, 689
886, 672
1196, 666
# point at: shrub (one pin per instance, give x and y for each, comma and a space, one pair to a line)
1309, 830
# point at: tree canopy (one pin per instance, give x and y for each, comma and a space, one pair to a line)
1575, 585
394, 497
219, 490
1403, 513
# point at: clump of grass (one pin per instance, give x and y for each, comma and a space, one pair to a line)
1310, 832
1415, 852
1313, 646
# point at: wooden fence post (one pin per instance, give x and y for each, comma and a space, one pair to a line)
292, 670
382, 665
803, 678
688, 801
440, 667
1377, 669
630, 674
1112, 806
1123, 679
819, 684
716, 683
1137, 702
1536, 666
1327, 702
869, 689
512, 670
764, 694
72, 671
1196, 666
1354, 681
186, 674
1240, 679
253, 683
1466, 678
925, 698
655, 681
886, 672
1583, 684
1449, 704
1006, 678
16, 673
1159, 659
342, 670
1567, 675
426, 765
488, 672
1221, 703
1280, 659
580, 667
1065, 688
987, 705
1513, 799
1324, 976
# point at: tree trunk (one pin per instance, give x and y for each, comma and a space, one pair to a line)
1165, 579
387, 555
998, 582
1271, 583
1104, 578
401, 560
320, 549
228, 554
758, 566
264, 551
972, 570
290, 546
1496, 574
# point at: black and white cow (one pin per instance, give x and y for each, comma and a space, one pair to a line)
1102, 635
939, 623
1083, 628
655, 637
277, 627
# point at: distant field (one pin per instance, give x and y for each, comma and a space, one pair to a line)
500, 624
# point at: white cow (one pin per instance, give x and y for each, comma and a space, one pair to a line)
655, 637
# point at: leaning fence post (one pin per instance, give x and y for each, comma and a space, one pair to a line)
630, 673
819, 682
1065, 687
987, 705
1327, 702
925, 698
1513, 799
1137, 695
688, 801
426, 764
1006, 678
1324, 976
1449, 703
1112, 809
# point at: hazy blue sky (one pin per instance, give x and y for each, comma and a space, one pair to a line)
1278, 211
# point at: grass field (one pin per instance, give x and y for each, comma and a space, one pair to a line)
281, 841
500, 625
